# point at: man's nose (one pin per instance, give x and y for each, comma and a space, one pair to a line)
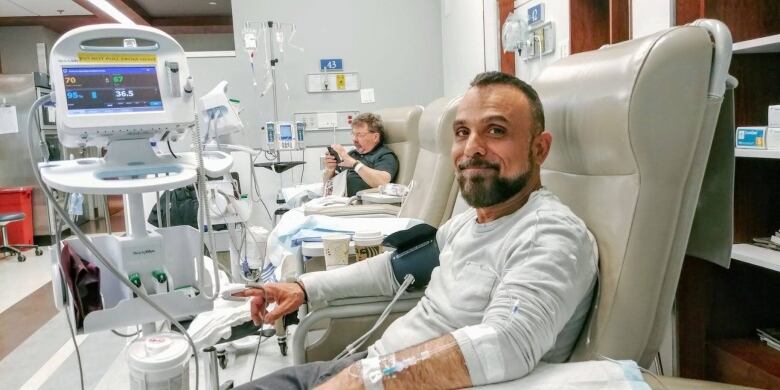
474, 145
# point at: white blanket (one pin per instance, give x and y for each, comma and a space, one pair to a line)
590, 375
295, 227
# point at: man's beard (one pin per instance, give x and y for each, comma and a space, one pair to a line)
485, 190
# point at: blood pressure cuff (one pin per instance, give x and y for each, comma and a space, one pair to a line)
416, 253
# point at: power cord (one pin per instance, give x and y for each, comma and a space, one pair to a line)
75, 343
171, 149
126, 335
260, 340
351, 348
303, 166
254, 189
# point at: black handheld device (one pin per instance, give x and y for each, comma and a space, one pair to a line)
334, 154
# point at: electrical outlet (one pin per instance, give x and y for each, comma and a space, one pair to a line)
327, 120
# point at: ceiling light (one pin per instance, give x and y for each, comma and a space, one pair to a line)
111, 11
212, 2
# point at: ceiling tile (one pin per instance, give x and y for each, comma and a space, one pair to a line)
177, 8
10, 9
47, 7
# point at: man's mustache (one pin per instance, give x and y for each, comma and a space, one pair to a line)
477, 163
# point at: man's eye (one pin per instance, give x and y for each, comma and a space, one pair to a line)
496, 131
461, 132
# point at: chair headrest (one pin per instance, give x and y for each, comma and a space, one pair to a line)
436, 125
401, 123
603, 106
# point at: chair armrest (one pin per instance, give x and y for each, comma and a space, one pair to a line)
353, 211
346, 308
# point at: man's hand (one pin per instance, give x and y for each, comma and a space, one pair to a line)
288, 297
346, 160
330, 162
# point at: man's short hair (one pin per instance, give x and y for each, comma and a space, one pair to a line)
498, 78
373, 123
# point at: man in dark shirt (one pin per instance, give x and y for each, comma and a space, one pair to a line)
371, 164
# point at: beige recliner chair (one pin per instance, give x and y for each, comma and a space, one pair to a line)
433, 184
632, 127
401, 128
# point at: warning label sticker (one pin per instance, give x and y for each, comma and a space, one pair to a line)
120, 58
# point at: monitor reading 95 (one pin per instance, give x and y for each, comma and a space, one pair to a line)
111, 90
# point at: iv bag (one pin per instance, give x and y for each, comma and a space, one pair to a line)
514, 34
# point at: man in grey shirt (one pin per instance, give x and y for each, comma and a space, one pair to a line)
371, 164
516, 276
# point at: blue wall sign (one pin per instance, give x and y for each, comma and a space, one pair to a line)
536, 14
331, 64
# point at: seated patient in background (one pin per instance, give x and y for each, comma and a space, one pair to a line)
516, 273
371, 164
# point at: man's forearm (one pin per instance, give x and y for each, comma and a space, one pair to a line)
328, 174
439, 364
373, 177
434, 364
371, 277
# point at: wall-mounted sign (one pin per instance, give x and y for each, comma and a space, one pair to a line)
536, 14
331, 65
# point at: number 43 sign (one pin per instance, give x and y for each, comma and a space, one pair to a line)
331, 65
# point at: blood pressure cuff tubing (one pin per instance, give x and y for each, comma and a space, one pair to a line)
416, 253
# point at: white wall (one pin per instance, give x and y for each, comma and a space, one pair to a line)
492, 33
556, 11
462, 43
469, 42
649, 16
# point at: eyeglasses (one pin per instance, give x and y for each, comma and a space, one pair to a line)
361, 135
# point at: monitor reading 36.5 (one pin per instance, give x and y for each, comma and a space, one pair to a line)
109, 90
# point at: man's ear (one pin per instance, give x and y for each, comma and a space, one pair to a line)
540, 147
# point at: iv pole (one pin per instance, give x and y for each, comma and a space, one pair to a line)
274, 61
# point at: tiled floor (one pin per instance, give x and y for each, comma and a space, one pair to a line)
21, 279
42, 354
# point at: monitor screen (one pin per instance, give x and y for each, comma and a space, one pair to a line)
285, 132
111, 90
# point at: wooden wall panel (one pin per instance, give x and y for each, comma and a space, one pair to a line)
619, 20
687, 11
505, 7
588, 25
747, 19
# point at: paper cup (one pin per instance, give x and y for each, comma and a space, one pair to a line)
368, 243
336, 247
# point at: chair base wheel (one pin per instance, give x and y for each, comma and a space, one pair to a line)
20, 258
283, 348
38, 251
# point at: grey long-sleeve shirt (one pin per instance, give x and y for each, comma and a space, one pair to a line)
512, 291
